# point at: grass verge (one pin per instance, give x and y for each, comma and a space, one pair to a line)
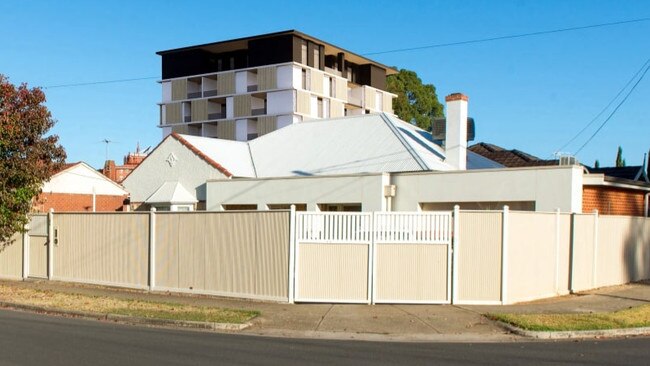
634, 317
137, 308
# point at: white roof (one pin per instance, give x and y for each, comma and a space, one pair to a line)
234, 156
81, 178
173, 193
358, 144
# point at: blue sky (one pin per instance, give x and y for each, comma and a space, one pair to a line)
530, 93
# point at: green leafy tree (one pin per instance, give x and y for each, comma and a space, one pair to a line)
416, 102
28, 157
620, 161
597, 164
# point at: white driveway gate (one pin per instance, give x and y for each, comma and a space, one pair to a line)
383, 257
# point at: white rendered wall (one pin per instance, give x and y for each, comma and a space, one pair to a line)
243, 80
286, 120
188, 169
241, 130
364, 189
166, 91
549, 187
313, 106
456, 135
280, 102
230, 107
285, 75
166, 131
82, 179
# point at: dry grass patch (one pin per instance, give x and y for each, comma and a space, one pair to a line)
109, 305
634, 317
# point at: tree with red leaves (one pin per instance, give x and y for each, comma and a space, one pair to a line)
28, 156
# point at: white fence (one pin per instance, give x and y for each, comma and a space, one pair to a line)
397, 257
468, 257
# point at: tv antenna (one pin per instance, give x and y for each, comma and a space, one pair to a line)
107, 142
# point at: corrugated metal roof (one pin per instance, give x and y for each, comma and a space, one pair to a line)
173, 193
233, 155
359, 144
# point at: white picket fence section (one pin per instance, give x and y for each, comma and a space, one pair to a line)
413, 227
334, 227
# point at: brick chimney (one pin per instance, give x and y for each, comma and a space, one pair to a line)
456, 134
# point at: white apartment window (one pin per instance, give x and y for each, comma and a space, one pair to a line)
303, 53
379, 101
320, 108
326, 108
305, 79
317, 57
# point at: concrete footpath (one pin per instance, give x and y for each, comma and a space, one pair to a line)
378, 322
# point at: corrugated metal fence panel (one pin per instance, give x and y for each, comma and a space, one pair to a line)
38, 256
623, 250
11, 258
332, 272
479, 257
411, 273
583, 251
232, 254
38, 225
104, 248
532, 254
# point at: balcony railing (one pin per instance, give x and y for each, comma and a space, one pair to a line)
187, 118
251, 88
194, 95
258, 111
210, 93
218, 115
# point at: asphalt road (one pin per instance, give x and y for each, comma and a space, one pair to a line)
31, 339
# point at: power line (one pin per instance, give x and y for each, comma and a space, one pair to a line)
398, 50
99, 82
606, 107
480, 40
615, 109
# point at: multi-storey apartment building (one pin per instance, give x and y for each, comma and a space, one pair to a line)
244, 88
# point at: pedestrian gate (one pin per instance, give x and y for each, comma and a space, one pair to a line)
382, 257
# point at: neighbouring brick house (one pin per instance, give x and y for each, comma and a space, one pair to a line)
117, 173
610, 190
78, 187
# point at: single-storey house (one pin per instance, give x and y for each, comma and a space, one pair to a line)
79, 187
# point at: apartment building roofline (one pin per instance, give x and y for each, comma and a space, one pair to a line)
240, 43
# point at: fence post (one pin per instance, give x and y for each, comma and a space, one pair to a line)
454, 253
504, 256
26, 252
371, 258
594, 267
572, 251
152, 249
557, 251
50, 244
292, 253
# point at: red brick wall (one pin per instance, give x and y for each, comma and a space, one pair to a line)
65, 202
613, 201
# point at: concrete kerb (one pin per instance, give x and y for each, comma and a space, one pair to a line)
126, 319
576, 334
